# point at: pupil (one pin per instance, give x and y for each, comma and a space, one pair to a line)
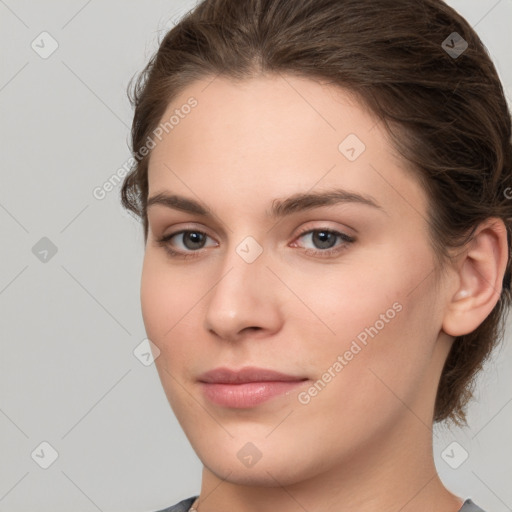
193, 240
323, 239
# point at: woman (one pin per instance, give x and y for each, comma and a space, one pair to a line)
323, 189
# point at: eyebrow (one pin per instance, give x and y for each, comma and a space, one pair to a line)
280, 207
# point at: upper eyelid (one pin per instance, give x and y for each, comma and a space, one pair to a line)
301, 232
187, 228
307, 230
324, 226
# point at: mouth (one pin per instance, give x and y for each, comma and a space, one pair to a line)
246, 387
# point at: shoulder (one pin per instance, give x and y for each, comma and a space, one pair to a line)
182, 506
469, 506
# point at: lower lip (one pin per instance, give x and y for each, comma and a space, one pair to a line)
249, 394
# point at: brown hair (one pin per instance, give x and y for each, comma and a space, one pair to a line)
445, 114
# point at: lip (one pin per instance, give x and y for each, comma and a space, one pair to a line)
246, 387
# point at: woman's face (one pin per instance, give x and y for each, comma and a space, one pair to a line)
299, 246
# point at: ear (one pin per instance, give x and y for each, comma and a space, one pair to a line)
480, 269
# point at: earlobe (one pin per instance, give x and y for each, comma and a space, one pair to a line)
481, 267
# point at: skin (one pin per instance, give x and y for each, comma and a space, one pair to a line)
365, 441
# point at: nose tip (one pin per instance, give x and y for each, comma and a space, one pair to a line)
239, 305
233, 334
231, 320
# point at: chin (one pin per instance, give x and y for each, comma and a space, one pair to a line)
270, 473
261, 462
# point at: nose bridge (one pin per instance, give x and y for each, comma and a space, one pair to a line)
239, 299
244, 264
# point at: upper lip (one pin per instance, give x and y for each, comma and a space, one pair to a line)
247, 374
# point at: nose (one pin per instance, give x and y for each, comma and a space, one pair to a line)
244, 300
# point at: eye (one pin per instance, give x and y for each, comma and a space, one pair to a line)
188, 243
324, 241
185, 242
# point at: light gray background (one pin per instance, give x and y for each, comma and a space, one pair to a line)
68, 327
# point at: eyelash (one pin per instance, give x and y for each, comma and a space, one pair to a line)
164, 242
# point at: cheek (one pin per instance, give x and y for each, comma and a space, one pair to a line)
154, 300
166, 303
367, 372
167, 298
346, 298
378, 316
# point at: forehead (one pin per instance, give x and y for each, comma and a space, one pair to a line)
279, 130
266, 113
